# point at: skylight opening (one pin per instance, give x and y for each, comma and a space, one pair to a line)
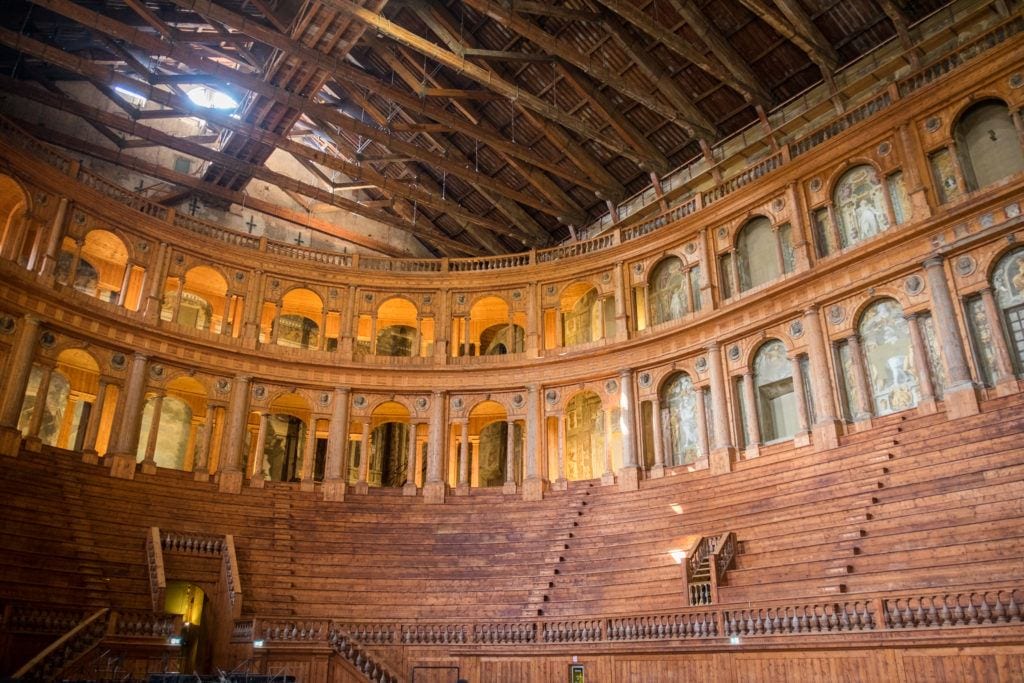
209, 98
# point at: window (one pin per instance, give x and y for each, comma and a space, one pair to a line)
987, 143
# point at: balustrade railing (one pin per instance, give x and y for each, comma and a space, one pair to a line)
955, 609
155, 568
200, 544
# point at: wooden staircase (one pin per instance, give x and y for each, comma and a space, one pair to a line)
363, 662
66, 650
707, 562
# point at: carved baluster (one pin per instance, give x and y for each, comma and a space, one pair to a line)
972, 610
984, 611
958, 611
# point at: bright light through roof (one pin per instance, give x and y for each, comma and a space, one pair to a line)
206, 96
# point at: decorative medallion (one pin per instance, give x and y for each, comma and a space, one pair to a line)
815, 184
517, 295
644, 380
156, 372
691, 247
143, 247
428, 299
275, 284
638, 268
117, 361
932, 124
7, 324
836, 314
368, 297
42, 198
1011, 238
965, 265
259, 392
332, 292
79, 217
871, 291
359, 401
458, 403
179, 259
518, 400
239, 276
551, 290
324, 399
551, 396
796, 329
1012, 210
734, 352
987, 220
723, 232
1016, 80
606, 278
47, 339
221, 386
778, 204
701, 364
422, 403
611, 386
461, 299
884, 149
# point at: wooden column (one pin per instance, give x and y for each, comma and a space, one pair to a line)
533, 485
12, 393
201, 471
337, 446
257, 477
149, 462
434, 488
363, 484
53, 240
722, 449
127, 422
1005, 380
702, 425
32, 440
753, 448
803, 428
229, 476
92, 428
629, 475
658, 470
927, 405
306, 482
960, 394
826, 427
862, 410
409, 488
462, 488
510, 487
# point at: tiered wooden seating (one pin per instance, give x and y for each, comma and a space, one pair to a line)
915, 502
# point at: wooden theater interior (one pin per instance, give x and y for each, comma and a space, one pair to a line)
416, 341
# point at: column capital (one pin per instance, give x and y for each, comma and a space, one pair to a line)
812, 309
711, 347
933, 261
140, 355
533, 387
626, 372
438, 392
910, 316
243, 378
342, 390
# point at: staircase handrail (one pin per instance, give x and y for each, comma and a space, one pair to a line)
155, 563
722, 557
59, 654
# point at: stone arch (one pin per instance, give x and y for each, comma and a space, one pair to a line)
203, 301
987, 143
15, 205
1006, 274
397, 325
299, 322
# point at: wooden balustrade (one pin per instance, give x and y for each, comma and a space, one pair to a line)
155, 565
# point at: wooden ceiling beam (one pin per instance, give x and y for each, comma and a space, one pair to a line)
902, 26
139, 7
345, 71
607, 109
290, 100
268, 12
823, 55
548, 10
752, 92
721, 48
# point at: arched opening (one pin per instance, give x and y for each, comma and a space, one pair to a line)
1008, 284
83, 374
584, 437
43, 408
490, 329
888, 357
860, 205
191, 602
988, 145
99, 268
298, 323
200, 303
170, 440
389, 445
758, 254
774, 393
488, 443
397, 329
668, 291
287, 429
678, 402
13, 205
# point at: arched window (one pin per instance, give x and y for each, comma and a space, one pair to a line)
399, 330
1008, 283
99, 268
987, 143
389, 446
12, 215
678, 402
172, 435
773, 389
297, 324
202, 302
762, 254
888, 358
673, 290
488, 441
581, 315
862, 206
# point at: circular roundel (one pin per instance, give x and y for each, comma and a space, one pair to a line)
551, 396
611, 385
324, 399
239, 276
1016, 80
47, 339
645, 379
458, 403
7, 324
259, 392
368, 297
691, 247
914, 285
518, 400
796, 329
778, 204
734, 352
179, 259
359, 401
156, 372
836, 314
460, 299
517, 295
815, 184
932, 124
965, 265
422, 403
221, 386
117, 361
884, 149
143, 247
701, 364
